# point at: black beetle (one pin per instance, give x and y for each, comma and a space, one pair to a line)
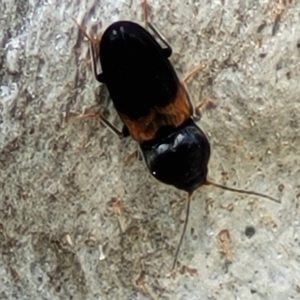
154, 107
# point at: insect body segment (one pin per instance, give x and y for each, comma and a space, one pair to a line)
142, 82
180, 157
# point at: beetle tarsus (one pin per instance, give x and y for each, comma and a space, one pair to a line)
168, 51
189, 76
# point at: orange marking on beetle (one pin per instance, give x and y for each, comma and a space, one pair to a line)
175, 113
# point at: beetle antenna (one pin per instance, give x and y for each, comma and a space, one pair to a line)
187, 214
227, 188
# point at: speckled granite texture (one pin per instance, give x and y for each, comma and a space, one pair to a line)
61, 236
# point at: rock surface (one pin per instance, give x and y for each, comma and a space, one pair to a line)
76, 223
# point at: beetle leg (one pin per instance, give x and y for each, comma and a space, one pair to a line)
204, 105
207, 103
132, 156
168, 50
189, 76
94, 49
103, 120
95, 55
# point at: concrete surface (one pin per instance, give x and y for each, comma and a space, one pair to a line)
60, 232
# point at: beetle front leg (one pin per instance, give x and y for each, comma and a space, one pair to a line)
168, 50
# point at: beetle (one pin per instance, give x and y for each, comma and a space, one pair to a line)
154, 107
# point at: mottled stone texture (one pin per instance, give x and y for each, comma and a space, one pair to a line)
60, 234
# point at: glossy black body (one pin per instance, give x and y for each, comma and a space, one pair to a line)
140, 79
136, 69
180, 157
